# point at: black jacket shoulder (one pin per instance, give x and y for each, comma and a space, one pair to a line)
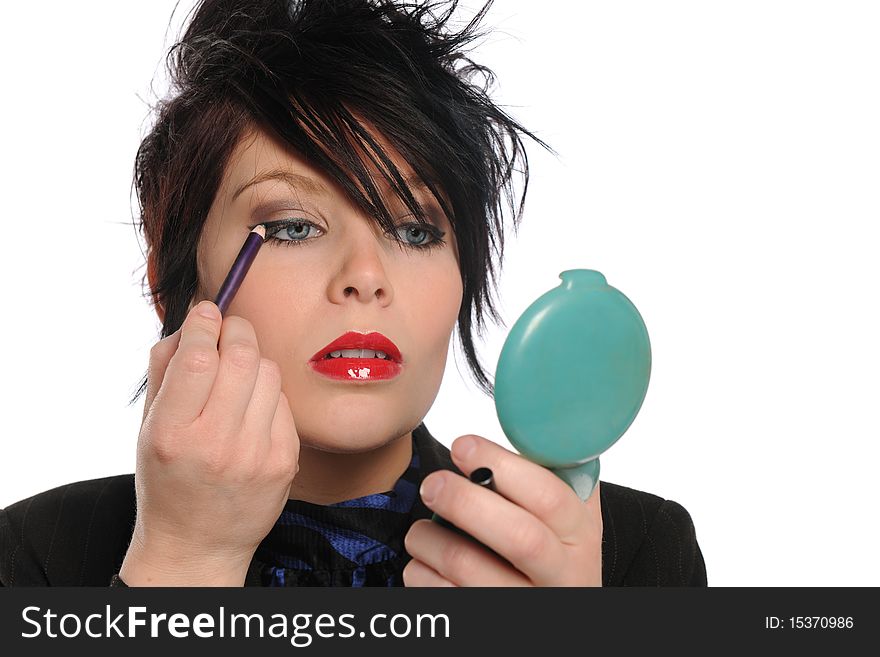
72, 535
647, 540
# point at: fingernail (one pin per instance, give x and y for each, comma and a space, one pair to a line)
169, 337
464, 447
430, 488
208, 309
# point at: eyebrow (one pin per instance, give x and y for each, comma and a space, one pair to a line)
295, 180
310, 185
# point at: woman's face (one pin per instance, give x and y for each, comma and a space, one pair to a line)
341, 274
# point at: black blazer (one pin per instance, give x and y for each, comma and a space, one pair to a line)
78, 534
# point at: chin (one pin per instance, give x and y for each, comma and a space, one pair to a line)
346, 433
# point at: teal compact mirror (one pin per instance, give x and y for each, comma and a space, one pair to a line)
572, 376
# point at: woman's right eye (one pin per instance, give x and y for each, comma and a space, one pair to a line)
292, 232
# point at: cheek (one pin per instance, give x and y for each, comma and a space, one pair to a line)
284, 311
433, 301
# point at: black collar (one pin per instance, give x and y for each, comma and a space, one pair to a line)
433, 456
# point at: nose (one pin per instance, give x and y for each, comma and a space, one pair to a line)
363, 274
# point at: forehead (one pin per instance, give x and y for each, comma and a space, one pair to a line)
260, 161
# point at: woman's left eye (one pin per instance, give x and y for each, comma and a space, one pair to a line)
420, 232
425, 236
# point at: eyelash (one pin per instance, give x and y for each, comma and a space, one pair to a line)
275, 227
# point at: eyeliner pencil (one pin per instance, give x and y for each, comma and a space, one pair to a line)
240, 267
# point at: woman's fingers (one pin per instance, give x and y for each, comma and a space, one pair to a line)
194, 366
457, 559
160, 356
512, 531
237, 372
526, 484
418, 574
535, 521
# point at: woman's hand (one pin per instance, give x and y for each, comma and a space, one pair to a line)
216, 456
543, 534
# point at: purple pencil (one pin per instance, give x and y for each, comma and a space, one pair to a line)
240, 267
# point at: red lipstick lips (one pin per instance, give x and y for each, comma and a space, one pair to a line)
347, 367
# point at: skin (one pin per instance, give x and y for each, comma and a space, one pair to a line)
346, 275
355, 439
540, 530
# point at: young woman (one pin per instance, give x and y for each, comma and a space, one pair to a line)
351, 130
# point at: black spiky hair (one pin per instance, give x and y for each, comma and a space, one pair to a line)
309, 72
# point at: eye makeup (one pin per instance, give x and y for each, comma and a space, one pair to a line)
435, 235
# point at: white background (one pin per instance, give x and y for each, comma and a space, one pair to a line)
719, 164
